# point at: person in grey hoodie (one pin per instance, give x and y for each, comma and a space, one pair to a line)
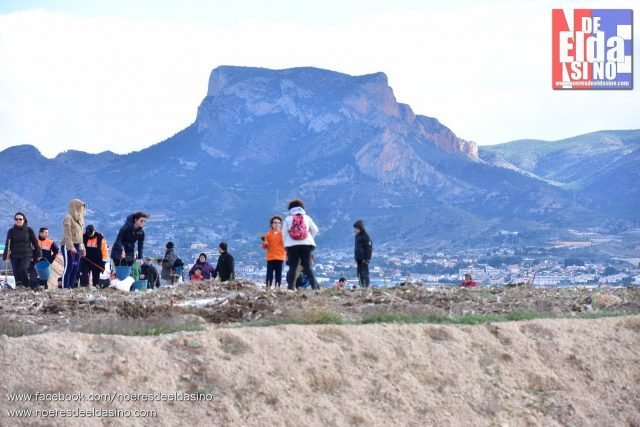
72, 248
299, 242
362, 252
168, 263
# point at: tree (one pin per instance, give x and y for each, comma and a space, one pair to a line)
573, 261
627, 280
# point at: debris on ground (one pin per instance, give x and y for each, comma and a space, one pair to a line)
242, 301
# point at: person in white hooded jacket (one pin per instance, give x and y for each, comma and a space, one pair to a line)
299, 242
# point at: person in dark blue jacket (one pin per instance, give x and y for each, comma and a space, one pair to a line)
123, 250
362, 252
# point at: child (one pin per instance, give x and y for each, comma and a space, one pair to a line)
468, 282
274, 244
149, 272
197, 274
341, 283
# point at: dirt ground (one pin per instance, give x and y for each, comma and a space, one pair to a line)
545, 372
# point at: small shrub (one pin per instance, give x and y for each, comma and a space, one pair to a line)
333, 335
438, 334
324, 381
271, 400
233, 345
632, 323
370, 356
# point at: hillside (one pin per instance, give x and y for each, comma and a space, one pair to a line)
572, 161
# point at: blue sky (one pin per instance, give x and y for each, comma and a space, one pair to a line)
123, 75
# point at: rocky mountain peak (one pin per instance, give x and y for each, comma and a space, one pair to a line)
317, 101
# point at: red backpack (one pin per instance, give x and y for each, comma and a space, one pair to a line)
298, 230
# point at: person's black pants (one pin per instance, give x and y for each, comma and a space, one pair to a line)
88, 268
302, 254
20, 268
363, 272
274, 267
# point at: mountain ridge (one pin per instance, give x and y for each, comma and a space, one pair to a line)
343, 144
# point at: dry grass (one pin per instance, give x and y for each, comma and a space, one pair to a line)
136, 327
325, 381
632, 323
333, 335
438, 334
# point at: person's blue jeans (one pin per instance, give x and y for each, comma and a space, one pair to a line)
71, 266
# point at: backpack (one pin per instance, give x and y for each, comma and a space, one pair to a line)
298, 230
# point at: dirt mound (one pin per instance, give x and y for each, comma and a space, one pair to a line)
541, 372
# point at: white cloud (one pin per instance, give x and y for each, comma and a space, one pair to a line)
111, 83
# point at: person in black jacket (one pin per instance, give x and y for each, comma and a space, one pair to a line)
123, 250
96, 258
224, 267
21, 246
362, 252
148, 271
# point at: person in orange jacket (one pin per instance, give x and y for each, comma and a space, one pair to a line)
49, 252
273, 242
47, 246
96, 258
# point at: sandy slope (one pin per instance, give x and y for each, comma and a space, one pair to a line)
542, 372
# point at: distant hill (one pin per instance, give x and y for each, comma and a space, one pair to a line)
350, 150
599, 166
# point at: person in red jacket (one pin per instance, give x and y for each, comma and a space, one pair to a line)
197, 274
468, 281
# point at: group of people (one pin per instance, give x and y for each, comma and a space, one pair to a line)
84, 250
202, 270
292, 240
